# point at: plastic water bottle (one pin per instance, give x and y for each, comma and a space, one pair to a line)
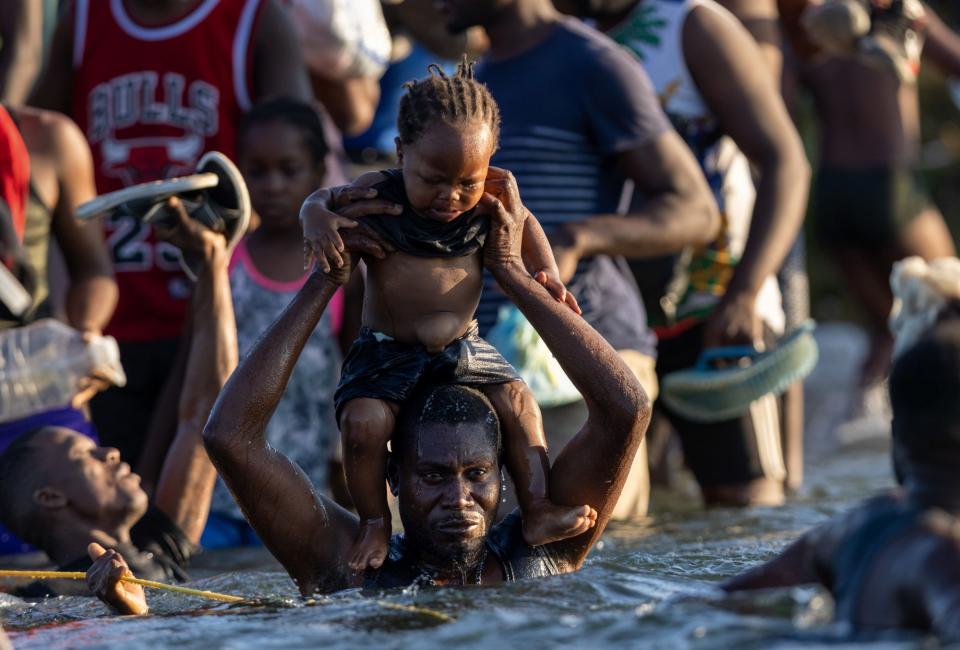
41, 366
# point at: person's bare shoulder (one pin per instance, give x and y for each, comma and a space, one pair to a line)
48, 132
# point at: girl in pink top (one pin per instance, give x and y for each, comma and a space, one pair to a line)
280, 151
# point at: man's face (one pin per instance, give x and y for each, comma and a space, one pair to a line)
90, 480
460, 15
449, 489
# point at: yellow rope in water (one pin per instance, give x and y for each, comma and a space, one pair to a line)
224, 598
440, 616
80, 575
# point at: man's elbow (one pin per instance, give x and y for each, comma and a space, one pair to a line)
787, 162
703, 216
215, 439
632, 410
800, 171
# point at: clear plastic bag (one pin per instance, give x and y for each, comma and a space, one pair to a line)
517, 340
42, 364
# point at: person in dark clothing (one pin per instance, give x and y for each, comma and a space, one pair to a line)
69, 497
894, 561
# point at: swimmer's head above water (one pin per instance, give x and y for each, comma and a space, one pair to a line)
448, 128
445, 471
55, 480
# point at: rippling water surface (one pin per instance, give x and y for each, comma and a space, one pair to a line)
650, 584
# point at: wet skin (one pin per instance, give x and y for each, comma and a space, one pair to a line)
92, 481
431, 302
912, 580
449, 484
313, 538
444, 173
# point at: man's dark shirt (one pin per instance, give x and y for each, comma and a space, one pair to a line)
159, 551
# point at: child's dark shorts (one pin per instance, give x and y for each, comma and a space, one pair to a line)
379, 367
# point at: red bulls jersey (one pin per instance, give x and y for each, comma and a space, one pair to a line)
152, 100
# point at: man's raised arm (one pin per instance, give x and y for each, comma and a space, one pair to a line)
305, 531
185, 484
593, 466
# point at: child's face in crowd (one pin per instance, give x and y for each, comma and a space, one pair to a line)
280, 172
445, 168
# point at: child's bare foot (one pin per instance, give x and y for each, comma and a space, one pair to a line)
545, 522
370, 549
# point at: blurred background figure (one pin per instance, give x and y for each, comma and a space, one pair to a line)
762, 20
869, 205
188, 72
346, 46
418, 38
703, 66
580, 119
280, 151
25, 30
46, 171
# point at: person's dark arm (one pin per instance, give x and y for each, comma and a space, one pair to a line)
761, 19
794, 566
351, 102
808, 560
278, 68
53, 87
186, 481
330, 209
21, 31
721, 57
939, 585
305, 531
942, 45
425, 25
92, 295
678, 209
593, 466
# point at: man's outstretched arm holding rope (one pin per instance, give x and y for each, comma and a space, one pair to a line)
187, 478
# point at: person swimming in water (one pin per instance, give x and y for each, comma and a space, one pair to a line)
894, 561
421, 299
71, 498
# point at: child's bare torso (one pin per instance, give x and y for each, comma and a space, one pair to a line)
426, 300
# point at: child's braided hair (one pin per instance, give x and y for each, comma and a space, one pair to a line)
456, 100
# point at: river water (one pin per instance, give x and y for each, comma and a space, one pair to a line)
648, 584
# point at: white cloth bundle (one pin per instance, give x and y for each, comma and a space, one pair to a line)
342, 39
920, 290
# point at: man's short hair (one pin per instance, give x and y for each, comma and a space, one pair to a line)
444, 404
925, 394
18, 480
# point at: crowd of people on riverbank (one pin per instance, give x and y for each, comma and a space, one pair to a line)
314, 345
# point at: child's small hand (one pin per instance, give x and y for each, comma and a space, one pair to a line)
329, 210
550, 279
322, 239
